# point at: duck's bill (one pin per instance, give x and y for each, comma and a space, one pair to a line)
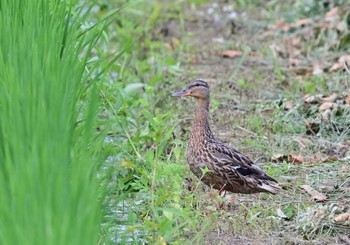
181, 94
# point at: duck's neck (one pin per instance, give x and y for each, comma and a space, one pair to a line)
201, 127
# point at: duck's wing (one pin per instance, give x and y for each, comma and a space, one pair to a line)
232, 160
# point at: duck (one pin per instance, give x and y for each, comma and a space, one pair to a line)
215, 163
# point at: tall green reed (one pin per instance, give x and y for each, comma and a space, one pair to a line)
48, 175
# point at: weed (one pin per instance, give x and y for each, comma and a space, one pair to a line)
48, 106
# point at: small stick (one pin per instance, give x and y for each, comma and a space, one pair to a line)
346, 67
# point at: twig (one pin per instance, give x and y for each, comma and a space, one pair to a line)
346, 67
246, 130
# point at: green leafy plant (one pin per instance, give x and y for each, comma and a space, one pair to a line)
48, 107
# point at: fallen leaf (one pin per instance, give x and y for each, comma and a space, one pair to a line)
290, 158
326, 106
169, 47
330, 98
268, 111
325, 115
237, 53
320, 213
302, 71
254, 55
341, 26
173, 44
344, 59
340, 64
336, 66
295, 159
280, 24
342, 217
303, 22
317, 196
318, 157
332, 12
308, 98
231, 53
317, 70
347, 99
312, 98
277, 157
289, 104
295, 41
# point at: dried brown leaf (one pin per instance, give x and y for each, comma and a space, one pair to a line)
336, 66
347, 99
302, 71
268, 111
169, 47
231, 53
318, 157
281, 25
342, 217
277, 157
330, 98
313, 98
317, 70
341, 26
340, 64
296, 159
332, 12
320, 213
326, 106
303, 22
309, 98
344, 58
315, 158
295, 41
313, 193
325, 115
289, 104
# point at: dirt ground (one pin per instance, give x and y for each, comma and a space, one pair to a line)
259, 85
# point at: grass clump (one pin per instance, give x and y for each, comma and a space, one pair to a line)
48, 178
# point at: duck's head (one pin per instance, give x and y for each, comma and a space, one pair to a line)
197, 89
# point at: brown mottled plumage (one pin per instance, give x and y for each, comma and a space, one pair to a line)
229, 169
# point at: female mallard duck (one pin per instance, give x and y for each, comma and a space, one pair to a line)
229, 170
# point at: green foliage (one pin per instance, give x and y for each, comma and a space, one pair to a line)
48, 108
144, 178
